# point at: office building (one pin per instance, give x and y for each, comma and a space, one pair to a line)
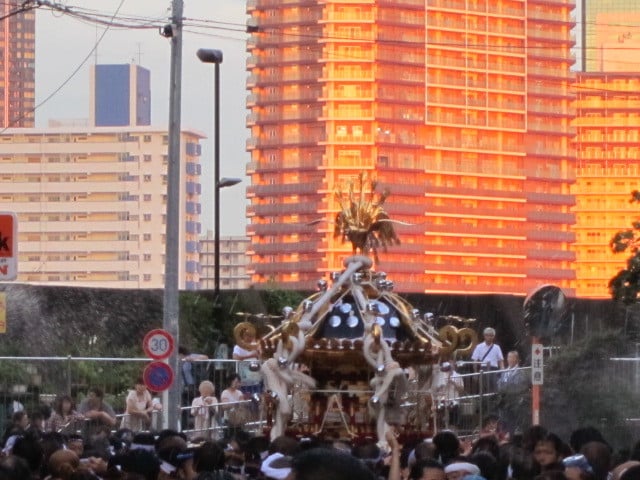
233, 262
610, 35
121, 95
91, 205
608, 167
461, 109
17, 66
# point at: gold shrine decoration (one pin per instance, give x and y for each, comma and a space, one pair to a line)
362, 219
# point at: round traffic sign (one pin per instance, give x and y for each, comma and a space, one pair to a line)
158, 344
157, 376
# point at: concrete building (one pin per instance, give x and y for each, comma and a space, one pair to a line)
91, 205
233, 262
17, 66
610, 35
608, 150
121, 96
461, 109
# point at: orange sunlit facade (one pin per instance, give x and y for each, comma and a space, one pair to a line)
608, 168
17, 68
461, 109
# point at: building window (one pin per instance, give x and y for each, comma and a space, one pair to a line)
146, 277
147, 178
147, 197
147, 217
146, 237
146, 138
146, 257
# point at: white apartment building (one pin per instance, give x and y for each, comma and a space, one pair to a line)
233, 262
91, 204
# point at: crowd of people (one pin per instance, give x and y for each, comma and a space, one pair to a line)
87, 442
537, 454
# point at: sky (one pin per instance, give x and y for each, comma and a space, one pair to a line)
63, 43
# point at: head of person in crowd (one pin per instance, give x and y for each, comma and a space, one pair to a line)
19, 423
208, 457
176, 461
447, 446
143, 463
29, 447
51, 442
324, 464
75, 443
169, 437
13, 467
549, 452
531, 436
95, 397
427, 469
285, 445
64, 405
276, 467
489, 335
583, 435
489, 444
487, 463
513, 359
233, 382
62, 464
629, 470
424, 450
599, 457
459, 468
577, 467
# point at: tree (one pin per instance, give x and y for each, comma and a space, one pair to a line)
625, 285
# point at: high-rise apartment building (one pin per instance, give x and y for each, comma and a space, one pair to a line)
608, 168
91, 205
233, 262
121, 96
461, 109
610, 35
17, 66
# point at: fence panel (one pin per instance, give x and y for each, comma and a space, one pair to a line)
29, 382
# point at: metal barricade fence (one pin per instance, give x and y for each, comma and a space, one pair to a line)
29, 382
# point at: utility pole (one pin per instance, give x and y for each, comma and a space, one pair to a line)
171, 306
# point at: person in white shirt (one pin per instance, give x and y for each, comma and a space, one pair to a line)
204, 409
446, 388
488, 357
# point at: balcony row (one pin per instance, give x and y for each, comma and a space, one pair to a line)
481, 7
279, 209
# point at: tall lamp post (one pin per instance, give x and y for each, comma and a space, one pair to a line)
207, 55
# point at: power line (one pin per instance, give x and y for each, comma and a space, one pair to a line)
68, 79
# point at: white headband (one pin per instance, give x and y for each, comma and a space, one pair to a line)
462, 467
275, 473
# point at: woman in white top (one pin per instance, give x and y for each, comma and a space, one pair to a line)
139, 406
204, 409
235, 414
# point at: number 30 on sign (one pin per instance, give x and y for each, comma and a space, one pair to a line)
158, 344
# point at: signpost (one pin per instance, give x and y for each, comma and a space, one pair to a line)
8, 246
157, 376
537, 378
158, 344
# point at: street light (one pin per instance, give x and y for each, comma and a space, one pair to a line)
207, 55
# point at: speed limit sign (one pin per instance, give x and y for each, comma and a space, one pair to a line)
158, 344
